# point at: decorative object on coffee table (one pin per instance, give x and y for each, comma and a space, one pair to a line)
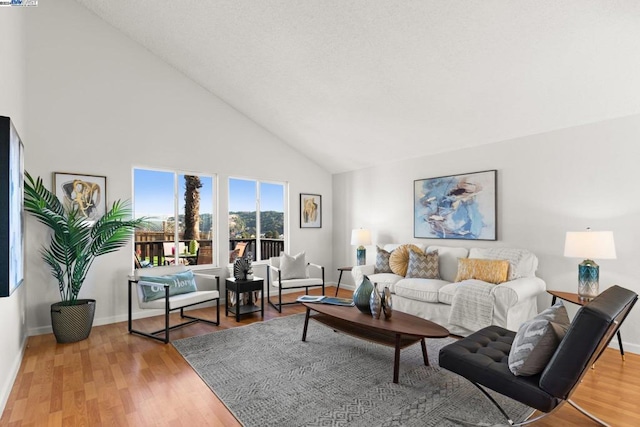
362, 294
386, 303
589, 245
375, 303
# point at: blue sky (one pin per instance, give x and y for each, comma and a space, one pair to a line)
153, 194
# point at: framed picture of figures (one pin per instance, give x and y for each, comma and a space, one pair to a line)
310, 210
456, 206
87, 193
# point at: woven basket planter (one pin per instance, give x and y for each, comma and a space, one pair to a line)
72, 323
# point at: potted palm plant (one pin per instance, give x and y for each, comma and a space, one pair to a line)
75, 244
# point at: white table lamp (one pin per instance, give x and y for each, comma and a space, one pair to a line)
361, 237
589, 245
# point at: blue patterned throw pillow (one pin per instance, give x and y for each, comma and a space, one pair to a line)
179, 283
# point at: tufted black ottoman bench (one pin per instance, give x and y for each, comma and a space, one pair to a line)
483, 356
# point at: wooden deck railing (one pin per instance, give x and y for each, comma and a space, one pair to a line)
153, 251
268, 247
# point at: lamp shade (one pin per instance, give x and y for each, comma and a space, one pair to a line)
361, 237
589, 245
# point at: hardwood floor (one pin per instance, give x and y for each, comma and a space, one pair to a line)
114, 378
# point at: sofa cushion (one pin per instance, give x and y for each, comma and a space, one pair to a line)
419, 289
537, 340
448, 260
399, 260
522, 263
382, 261
385, 279
423, 266
446, 293
491, 271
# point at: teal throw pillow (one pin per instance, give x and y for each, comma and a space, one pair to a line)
179, 283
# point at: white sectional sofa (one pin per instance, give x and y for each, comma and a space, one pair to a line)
513, 302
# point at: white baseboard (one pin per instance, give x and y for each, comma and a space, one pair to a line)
627, 346
41, 330
9, 381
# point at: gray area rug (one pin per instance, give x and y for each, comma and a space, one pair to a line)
267, 376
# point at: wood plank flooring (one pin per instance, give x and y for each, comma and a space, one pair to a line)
117, 379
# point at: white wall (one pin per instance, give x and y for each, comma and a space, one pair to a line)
548, 184
13, 330
100, 104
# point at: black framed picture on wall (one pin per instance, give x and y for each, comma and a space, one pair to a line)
310, 210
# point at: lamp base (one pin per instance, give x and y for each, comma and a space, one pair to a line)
361, 256
588, 278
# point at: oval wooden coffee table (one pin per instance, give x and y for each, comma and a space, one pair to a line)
399, 331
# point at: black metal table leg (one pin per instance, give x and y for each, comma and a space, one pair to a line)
339, 279
306, 323
620, 344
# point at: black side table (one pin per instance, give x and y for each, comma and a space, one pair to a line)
341, 270
239, 287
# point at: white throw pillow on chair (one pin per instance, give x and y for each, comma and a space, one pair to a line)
293, 267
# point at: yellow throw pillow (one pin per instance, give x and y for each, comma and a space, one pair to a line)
399, 259
491, 271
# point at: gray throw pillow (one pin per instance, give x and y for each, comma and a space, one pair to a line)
423, 266
293, 267
382, 261
537, 340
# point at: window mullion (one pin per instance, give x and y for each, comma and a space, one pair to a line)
176, 213
258, 253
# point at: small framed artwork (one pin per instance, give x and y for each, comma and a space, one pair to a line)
310, 210
87, 193
456, 206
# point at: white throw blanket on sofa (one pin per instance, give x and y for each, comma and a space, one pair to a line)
472, 305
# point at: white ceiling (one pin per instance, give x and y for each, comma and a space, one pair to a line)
357, 83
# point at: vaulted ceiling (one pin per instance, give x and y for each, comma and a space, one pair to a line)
356, 83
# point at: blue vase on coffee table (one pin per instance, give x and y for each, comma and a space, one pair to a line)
362, 294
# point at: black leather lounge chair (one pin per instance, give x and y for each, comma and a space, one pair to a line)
482, 357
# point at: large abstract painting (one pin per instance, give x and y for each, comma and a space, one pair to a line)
456, 207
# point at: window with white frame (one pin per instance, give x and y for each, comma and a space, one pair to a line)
181, 217
257, 213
